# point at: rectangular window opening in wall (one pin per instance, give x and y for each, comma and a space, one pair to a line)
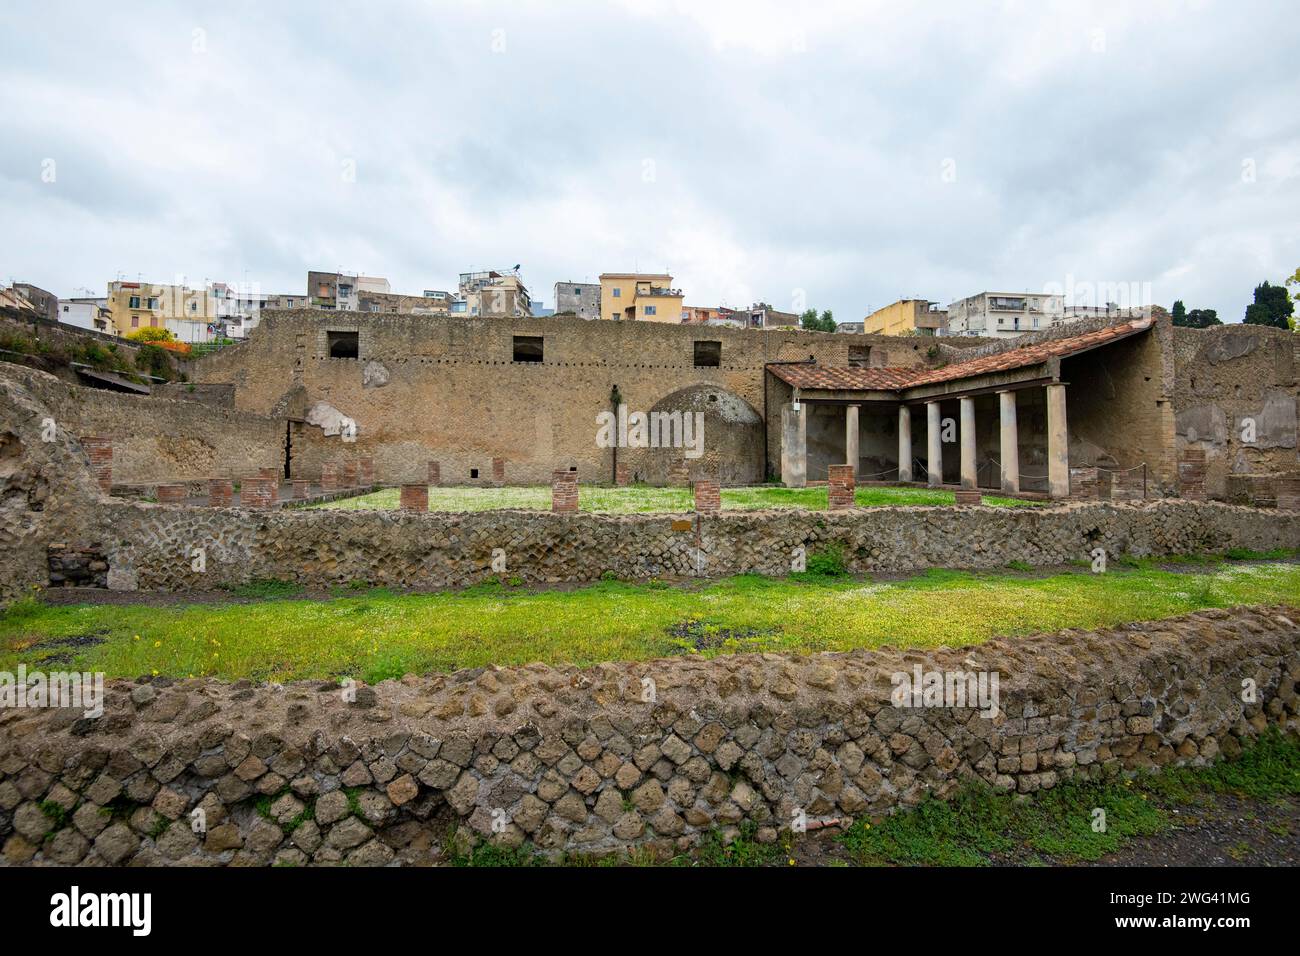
344, 345
528, 348
859, 356
473, 472
708, 354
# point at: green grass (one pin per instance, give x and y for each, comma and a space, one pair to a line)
980, 826
377, 634
644, 499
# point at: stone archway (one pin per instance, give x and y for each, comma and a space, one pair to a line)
732, 447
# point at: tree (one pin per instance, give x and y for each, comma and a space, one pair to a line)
1179, 313
1272, 306
812, 322
1202, 318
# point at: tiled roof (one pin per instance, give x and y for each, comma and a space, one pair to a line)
896, 379
828, 377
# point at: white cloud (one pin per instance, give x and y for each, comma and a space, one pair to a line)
793, 146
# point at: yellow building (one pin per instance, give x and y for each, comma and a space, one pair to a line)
907, 317
647, 297
143, 305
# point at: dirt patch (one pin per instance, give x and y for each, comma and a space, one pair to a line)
701, 636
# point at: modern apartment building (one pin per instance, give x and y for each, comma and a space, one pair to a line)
580, 298
493, 293
1006, 314
46, 303
191, 314
647, 297
907, 317
86, 313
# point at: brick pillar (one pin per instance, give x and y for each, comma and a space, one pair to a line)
1191, 474
1288, 494
708, 496
349, 471
498, 471
564, 492
100, 452
301, 488
221, 492
435, 474
1126, 485
268, 472
968, 496
330, 479
171, 494
366, 471
1085, 483
257, 492
839, 489
415, 498
621, 475
679, 476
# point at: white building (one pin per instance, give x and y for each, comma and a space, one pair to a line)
1006, 314
87, 313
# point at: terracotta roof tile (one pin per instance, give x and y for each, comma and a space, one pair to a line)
896, 379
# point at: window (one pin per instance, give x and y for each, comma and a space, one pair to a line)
194, 307
135, 321
708, 354
343, 345
577, 292
153, 302
528, 348
618, 293
153, 322
135, 302
473, 472
651, 310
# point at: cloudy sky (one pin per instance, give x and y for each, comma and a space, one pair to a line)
842, 154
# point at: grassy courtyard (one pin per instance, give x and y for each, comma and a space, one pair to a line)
643, 498
269, 634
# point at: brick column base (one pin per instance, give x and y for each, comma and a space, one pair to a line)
171, 494
564, 492
257, 492
330, 476
840, 487
415, 498
708, 496
621, 475
349, 472
435, 474
221, 492
1085, 482
1191, 474
100, 452
498, 471
969, 496
301, 488
366, 471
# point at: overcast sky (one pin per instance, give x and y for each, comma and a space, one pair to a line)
838, 154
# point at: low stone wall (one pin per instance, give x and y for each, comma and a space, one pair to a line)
150, 546
655, 753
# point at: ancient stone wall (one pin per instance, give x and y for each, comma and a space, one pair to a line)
159, 439
436, 387
149, 546
655, 753
1226, 375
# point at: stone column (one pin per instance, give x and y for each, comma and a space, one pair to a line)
969, 476
851, 437
708, 496
934, 447
415, 498
904, 443
1058, 443
1010, 444
794, 446
839, 489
